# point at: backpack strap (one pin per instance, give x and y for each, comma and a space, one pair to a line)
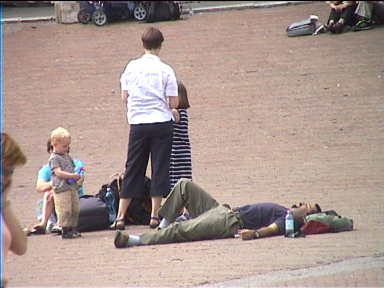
117, 176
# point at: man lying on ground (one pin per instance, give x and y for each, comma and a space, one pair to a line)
210, 220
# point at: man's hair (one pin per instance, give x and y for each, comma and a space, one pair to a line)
183, 96
59, 134
318, 208
152, 38
12, 155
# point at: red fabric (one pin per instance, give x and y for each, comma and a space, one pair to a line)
314, 227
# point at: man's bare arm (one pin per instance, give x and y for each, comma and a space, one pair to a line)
249, 234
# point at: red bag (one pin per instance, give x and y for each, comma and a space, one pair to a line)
314, 227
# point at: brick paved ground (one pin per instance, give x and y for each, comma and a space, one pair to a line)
272, 119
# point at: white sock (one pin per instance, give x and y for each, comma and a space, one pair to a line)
134, 240
164, 223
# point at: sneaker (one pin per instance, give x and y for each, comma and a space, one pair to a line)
183, 217
121, 240
363, 25
56, 229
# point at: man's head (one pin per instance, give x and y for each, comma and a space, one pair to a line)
60, 140
152, 39
301, 210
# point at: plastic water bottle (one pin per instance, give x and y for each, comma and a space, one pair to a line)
110, 202
79, 171
289, 225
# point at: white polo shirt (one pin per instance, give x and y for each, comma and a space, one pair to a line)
148, 82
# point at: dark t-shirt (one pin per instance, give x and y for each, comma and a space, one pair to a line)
263, 214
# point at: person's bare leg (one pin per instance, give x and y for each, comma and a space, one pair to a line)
123, 207
156, 202
47, 210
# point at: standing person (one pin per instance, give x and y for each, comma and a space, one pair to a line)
13, 237
64, 184
342, 14
149, 90
210, 220
181, 163
44, 185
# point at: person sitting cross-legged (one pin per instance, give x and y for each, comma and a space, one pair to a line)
341, 15
210, 220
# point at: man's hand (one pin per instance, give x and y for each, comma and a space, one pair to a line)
247, 234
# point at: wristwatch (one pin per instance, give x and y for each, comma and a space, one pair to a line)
257, 234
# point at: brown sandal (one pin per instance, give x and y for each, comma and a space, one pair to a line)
35, 230
118, 224
155, 223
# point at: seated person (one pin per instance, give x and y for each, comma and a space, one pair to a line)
44, 185
368, 14
342, 14
210, 220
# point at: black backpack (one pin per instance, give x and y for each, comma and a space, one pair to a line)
139, 211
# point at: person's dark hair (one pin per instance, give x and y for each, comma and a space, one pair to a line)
183, 96
152, 38
49, 146
318, 208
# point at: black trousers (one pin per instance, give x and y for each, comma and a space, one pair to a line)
154, 140
347, 14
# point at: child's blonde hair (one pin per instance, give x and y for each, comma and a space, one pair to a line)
59, 134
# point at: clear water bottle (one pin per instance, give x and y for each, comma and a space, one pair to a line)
289, 225
110, 203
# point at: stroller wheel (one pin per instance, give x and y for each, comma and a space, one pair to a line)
140, 13
99, 17
84, 16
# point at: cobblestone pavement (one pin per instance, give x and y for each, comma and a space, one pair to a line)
272, 118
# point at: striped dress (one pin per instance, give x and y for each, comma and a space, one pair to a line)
181, 163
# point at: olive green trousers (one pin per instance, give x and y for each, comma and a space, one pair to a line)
209, 219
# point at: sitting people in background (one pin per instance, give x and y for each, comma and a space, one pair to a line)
213, 221
342, 15
368, 14
44, 185
13, 237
